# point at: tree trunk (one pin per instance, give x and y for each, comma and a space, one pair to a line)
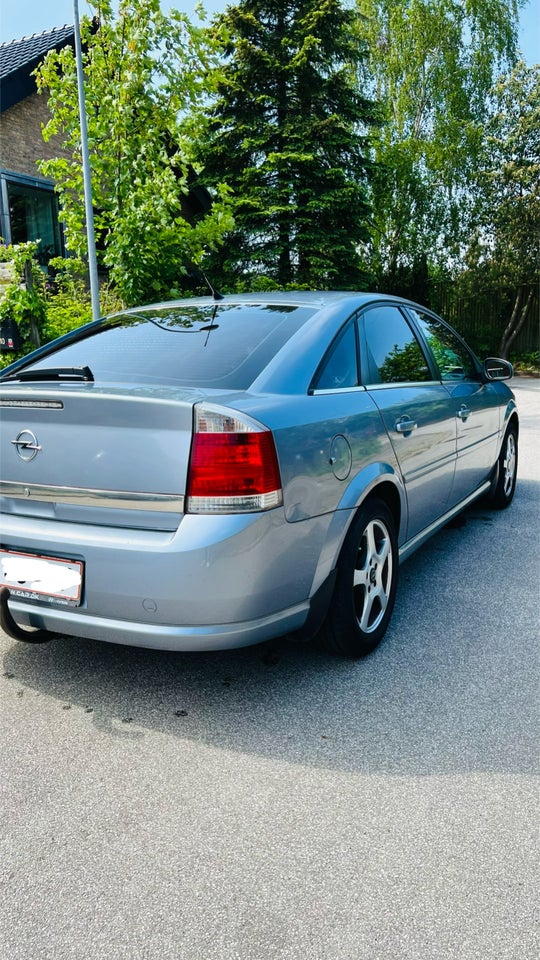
519, 316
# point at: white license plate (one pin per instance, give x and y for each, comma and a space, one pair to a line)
41, 578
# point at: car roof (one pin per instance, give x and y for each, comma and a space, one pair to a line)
315, 298
329, 310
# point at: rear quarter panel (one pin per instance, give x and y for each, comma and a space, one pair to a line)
304, 429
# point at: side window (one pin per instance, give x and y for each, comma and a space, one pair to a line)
339, 368
393, 353
451, 355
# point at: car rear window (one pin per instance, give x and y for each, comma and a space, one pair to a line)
215, 345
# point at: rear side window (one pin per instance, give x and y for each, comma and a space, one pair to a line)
393, 353
214, 345
340, 368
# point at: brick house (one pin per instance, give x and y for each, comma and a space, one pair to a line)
28, 203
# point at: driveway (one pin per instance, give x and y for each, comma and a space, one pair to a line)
275, 803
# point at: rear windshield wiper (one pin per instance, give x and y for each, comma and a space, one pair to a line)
59, 374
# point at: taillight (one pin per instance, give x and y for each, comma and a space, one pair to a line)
233, 466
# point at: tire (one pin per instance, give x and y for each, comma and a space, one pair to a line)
366, 584
502, 494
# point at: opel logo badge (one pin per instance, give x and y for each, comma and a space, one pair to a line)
26, 445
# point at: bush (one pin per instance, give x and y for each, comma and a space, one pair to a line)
527, 364
24, 298
54, 305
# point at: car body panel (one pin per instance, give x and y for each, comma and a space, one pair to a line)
101, 437
478, 421
427, 454
108, 484
304, 429
213, 569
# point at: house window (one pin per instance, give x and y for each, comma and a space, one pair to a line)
33, 215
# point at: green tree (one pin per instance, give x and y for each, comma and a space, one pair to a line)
144, 70
504, 251
24, 298
287, 130
433, 64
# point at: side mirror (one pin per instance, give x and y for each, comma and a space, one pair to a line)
495, 369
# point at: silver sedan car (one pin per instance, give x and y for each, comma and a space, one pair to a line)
211, 473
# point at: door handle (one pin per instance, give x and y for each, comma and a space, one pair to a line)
463, 412
405, 425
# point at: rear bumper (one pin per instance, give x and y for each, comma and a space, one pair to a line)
157, 636
217, 582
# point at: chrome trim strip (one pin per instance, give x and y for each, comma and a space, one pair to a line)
327, 390
85, 497
404, 383
33, 404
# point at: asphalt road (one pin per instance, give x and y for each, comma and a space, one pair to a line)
275, 803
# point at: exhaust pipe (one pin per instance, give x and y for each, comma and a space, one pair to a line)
13, 629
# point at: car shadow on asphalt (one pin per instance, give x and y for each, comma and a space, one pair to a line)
449, 690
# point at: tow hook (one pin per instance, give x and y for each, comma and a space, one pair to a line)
13, 629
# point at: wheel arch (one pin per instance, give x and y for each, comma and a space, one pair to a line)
385, 486
364, 580
493, 495
379, 481
513, 420
510, 417
389, 494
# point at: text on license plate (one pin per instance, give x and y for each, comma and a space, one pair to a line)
41, 578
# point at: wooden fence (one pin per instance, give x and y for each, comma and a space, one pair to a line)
482, 319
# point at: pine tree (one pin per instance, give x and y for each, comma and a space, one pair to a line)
287, 131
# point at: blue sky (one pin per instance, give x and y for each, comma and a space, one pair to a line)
19, 18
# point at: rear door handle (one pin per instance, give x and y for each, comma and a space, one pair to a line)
463, 412
405, 425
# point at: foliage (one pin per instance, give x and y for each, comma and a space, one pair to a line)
49, 307
24, 300
528, 364
508, 181
433, 64
68, 303
505, 248
355, 143
143, 71
286, 129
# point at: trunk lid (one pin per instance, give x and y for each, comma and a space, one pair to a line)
107, 454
